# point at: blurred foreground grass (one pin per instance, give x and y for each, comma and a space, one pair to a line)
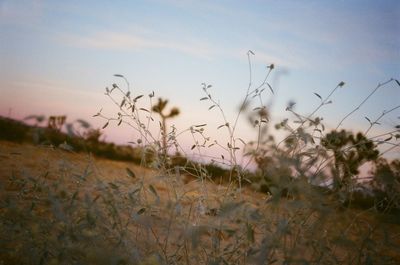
59, 207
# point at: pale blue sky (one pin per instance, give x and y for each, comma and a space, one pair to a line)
56, 57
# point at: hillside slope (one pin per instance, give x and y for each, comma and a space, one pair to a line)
60, 207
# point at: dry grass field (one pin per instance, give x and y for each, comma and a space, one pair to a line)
61, 207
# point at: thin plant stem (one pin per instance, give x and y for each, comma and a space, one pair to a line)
380, 117
363, 101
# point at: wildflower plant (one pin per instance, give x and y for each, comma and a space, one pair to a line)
177, 213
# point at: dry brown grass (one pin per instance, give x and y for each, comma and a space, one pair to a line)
164, 224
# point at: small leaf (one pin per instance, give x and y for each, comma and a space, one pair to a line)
130, 173
211, 107
153, 190
209, 86
144, 109
122, 103
242, 141
318, 95
250, 233
223, 157
250, 51
201, 125
141, 211
220, 126
74, 196
119, 123
193, 147
105, 125
137, 98
368, 119
270, 88
113, 186
388, 139
290, 105
341, 84
204, 98
118, 75
397, 81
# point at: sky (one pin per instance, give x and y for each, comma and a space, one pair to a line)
57, 57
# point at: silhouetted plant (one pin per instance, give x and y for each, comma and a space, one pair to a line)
12, 130
159, 108
93, 136
386, 182
56, 122
350, 152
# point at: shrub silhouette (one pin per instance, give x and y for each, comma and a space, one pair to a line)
350, 152
12, 130
386, 184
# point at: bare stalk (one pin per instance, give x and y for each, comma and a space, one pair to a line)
365, 100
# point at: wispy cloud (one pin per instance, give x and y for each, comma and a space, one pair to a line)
122, 41
129, 42
340, 34
369, 35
